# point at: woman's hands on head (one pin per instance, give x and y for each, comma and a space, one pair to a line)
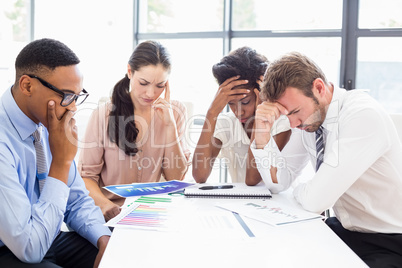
226, 94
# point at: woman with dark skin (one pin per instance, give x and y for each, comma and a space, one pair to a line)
238, 75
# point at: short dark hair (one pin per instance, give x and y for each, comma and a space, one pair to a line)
291, 70
43, 55
243, 61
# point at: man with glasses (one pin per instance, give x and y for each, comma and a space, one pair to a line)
40, 186
66, 98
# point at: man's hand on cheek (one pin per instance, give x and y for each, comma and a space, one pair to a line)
63, 137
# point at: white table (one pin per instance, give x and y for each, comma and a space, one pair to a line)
304, 244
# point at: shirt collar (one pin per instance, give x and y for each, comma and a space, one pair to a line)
21, 122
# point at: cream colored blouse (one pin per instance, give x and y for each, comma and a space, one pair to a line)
104, 162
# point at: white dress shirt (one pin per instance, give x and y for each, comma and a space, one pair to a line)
361, 176
235, 143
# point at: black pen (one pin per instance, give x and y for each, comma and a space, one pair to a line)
216, 187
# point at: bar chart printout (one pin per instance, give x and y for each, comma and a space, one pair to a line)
144, 213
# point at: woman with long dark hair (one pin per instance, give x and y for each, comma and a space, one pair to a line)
138, 136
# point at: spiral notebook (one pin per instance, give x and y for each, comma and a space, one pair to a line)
239, 190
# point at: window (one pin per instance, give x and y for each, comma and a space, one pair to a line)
379, 64
91, 29
191, 75
99, 32
373, 15
15, 33
326, 52
172, 16
286, 15
197, 41
356, 42
379, 70
199, 46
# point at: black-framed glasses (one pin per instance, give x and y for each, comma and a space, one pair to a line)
67, 98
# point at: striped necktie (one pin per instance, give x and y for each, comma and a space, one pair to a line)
41, 165
320, 144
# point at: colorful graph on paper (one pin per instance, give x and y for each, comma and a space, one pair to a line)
144, 213
152, 188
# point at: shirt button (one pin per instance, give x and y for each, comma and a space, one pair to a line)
139, 168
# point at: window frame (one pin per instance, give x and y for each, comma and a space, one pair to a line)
349, 34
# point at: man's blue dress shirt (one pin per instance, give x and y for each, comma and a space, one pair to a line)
29, 221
